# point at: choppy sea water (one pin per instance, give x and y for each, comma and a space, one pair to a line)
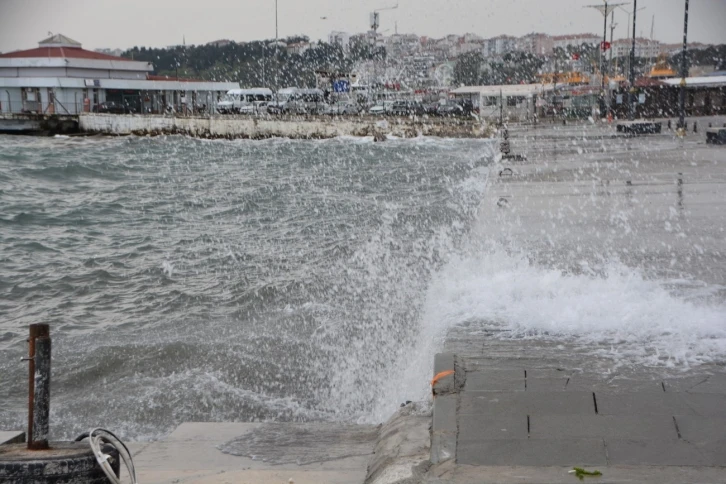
191, 280
279, 280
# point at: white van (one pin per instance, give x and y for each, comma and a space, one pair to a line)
282, 101
308, 101
295, 100
245, 101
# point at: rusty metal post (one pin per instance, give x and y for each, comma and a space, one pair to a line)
41, 398
38, 386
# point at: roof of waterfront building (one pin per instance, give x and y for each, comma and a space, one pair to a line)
60, 46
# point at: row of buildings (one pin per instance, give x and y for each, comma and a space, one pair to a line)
539, 44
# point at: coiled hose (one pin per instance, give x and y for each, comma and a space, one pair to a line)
99, 438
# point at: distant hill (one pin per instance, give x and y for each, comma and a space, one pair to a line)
251, 64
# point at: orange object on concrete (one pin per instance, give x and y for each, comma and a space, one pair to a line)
441, 375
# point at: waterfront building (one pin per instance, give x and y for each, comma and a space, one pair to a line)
60, 77
516, 101
644, 48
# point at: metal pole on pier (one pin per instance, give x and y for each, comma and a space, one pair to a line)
602, 51
38, 386
684, 74
277, 66
631, 96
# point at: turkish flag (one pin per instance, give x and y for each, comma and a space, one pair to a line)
605, 46
575, 56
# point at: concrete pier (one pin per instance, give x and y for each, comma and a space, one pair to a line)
50, 124
258, 453
262, 127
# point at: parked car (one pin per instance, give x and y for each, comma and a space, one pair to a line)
407, 108
432, 109
381, 108
283, 101
112, 107
342, 108
450, 108
468, 106
245, 101
256, 107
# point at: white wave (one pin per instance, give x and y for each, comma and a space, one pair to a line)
621, 307
619, 314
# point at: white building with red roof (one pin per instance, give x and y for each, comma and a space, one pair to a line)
61, 77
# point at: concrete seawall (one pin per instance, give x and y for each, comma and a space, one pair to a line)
17, 123
248, 127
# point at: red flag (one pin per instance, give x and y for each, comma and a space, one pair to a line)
575, 56
605, 46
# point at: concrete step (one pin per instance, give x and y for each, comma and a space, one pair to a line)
320, 453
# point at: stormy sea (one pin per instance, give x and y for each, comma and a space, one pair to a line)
276, 280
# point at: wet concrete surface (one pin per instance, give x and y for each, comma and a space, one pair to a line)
529, 409
585, 193
201, 453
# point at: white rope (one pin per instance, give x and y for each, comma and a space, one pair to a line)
100, 437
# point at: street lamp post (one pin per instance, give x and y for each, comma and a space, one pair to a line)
627, 27
602, 47
277, 66
605, 10
631, 97
684, 74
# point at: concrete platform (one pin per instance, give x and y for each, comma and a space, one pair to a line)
600, 427
299, 453
513, 419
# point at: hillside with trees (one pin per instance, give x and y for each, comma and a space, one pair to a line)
263, 63
258, 63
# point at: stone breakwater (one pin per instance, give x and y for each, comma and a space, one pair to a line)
317, 127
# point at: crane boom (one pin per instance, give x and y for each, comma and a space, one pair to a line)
375, 17
386, 8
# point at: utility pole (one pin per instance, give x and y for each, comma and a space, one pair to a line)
277, 62
684, 74
605, 10
612, 30
610, 62
375, 22
631, 97
605, 94
627, 28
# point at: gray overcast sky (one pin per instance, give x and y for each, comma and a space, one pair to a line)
158, 23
